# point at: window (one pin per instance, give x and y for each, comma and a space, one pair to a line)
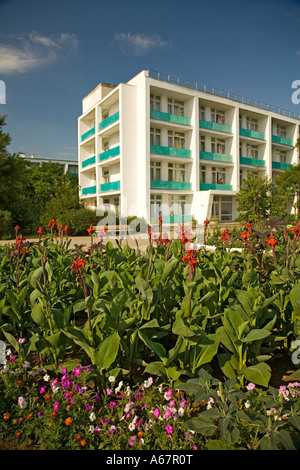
155, 171
217, 116
202, 143
218, 175
252, 151
281, 131
241, 150
176, 139
222, 208
240, 121
154, 103
176, 172
175, 107
154, 136
202, 174
252, 124
241, 178
177, 204
217, 145
281, 156
155, 204
73, 169
105, 176
105, 145
202, 113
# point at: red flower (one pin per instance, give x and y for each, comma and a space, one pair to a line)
248, 226
66, 228
225, 235
19, 242
51, 223
296, 230
191, 258
40, 230
206, 222
59, 227
77, 265
105, 229
271, 241
17, 228
245, 235
91, 230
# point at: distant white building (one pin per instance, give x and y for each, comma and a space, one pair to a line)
159, 144
70, 166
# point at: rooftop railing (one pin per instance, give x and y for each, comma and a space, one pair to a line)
218, 92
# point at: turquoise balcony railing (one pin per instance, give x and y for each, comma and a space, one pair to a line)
113, 152
215, 126
89, 190
108, 121
219, 157
254, 134
282, 140
172, 219
87, 134
170, 151
281, 166
252, 161
112, 186
222, 187
88, 161
155, 184
170, 117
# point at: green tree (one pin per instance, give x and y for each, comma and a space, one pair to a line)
258, 199
288, 183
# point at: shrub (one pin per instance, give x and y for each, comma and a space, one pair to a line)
5, 224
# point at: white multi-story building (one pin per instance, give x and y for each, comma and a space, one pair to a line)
159, 144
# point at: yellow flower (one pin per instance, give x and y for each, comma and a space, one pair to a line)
68, 421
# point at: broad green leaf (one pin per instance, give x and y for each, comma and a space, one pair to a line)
180, 328
107, 351
259, 374
201, 424
256, 335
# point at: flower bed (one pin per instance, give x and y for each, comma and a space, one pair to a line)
207, 325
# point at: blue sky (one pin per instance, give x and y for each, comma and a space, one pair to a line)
52, 53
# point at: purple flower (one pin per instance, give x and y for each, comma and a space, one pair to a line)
87, 406
64, 371
112, 430
138, 394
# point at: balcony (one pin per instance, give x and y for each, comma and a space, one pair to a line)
176, 185
111, 186
88, 161
252, 161
113, 152
89, 190
174, 118
253, 134
282, 140
217, 157
281, 166
88, 134
172, 219
215, 126
108, 121
219, 187
170, 151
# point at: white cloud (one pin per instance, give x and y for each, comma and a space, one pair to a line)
34, 50
140, 44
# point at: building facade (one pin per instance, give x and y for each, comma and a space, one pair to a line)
68, 166
156, 144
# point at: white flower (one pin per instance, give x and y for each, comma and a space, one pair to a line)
111, 379
131, 426
247, 404
46, 378
8, 352
91, 428
128, 390
55, 389
160, 389
148, 382
119, 387
208, 407
92, 416
181, 412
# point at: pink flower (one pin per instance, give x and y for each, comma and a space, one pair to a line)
87, 406
168, 395
112, 430
172, 404
77, 371
112, 404
169, 429
250, 386
109, 391
42, 390
132, 440
12, 359
182, 403
167, 414
156, 413
56, 406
